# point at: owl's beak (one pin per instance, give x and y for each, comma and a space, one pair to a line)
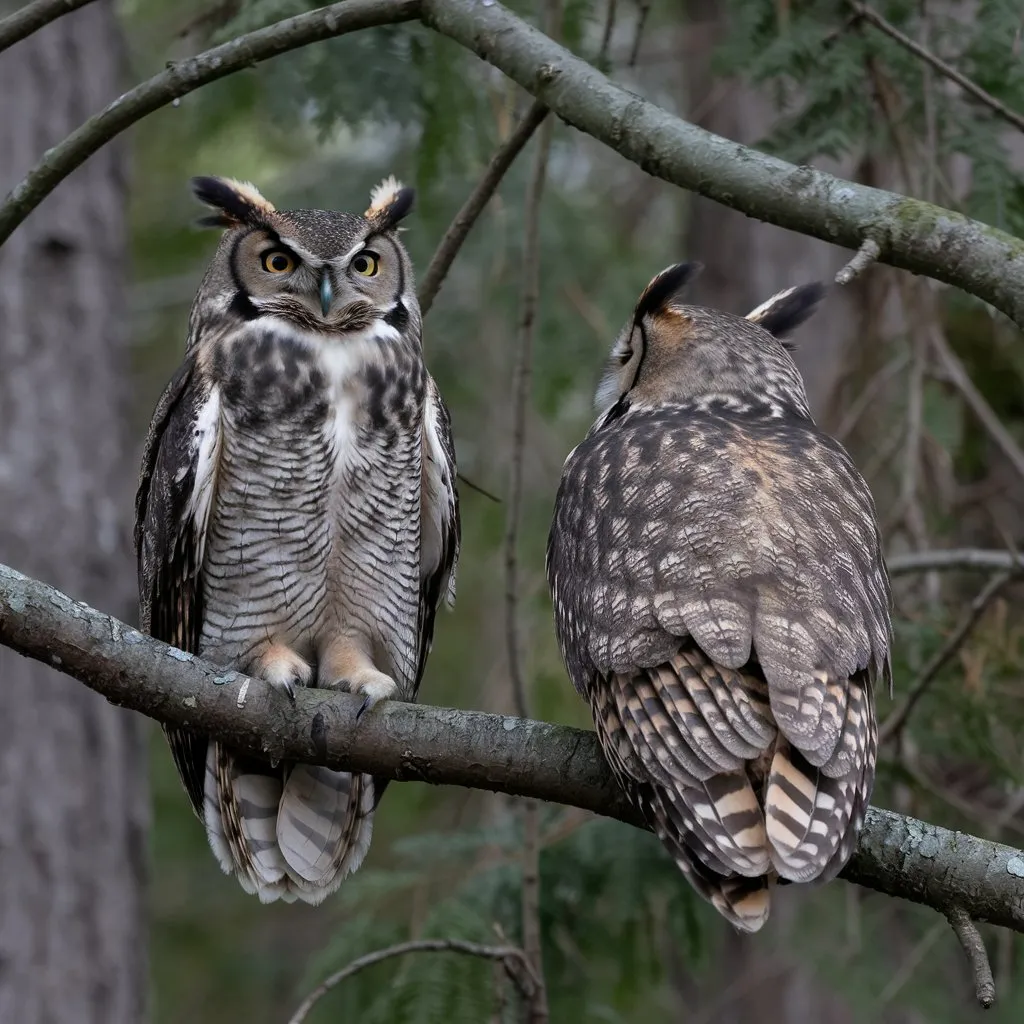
326, 291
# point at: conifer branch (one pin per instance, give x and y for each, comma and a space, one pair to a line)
999, 108
896, 855
911, 234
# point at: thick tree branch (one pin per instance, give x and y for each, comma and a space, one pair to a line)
898, 856
32, 17
911, 234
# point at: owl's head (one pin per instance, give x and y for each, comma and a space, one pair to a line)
671, 352
322, 271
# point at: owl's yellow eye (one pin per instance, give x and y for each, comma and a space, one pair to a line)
277, 261
366, 263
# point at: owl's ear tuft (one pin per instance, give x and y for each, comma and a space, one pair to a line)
390, 202
785, 311
666, 286
236, 202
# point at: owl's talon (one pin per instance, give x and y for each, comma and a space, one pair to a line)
368, 703
284, 669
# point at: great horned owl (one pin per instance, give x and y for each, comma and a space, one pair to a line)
721, 598
297, 515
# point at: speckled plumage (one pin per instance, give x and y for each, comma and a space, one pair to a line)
721, 598
297, 516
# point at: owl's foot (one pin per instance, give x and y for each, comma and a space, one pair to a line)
345, 664
374, 686
283, 669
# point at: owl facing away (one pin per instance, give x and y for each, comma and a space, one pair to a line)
297, 517
721, 598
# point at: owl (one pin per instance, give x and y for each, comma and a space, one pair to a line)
721, 598
297, 516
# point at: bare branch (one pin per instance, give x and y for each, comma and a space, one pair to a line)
32, 17
521, 974
954, 559
958, 376
520, 402
896, 855
537, 1006
183, 77
898, 719
867, 254
998, 108
471, 209
977, 956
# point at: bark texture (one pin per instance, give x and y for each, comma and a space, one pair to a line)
72, 779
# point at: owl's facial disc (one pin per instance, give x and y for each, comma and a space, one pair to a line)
277, 277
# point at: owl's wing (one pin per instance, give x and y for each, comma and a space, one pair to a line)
441, 527
172, 507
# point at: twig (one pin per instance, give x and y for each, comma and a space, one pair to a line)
965, 83
476, 487
867, 254
32, 17
601, 61
910, 964
520, 402
868, 394
985, 414
954, 559
641, 21
185, 76
896, 855
897, 719
471, 209
521, 974
977, 956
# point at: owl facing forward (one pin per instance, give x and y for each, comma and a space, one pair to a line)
297, 517
721, 599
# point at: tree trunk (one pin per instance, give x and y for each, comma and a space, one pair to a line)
72, 768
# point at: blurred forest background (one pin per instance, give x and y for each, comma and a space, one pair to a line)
886, 361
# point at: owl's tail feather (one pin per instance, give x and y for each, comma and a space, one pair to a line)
813, 815
744, 902
241, 797
286, 835
324, 826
